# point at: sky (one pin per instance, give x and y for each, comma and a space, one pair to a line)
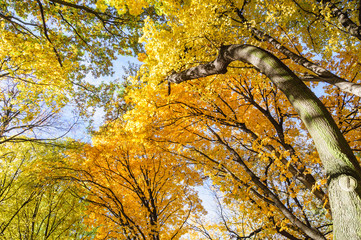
79, 130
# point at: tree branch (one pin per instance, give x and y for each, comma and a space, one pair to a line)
352, 28
323, 75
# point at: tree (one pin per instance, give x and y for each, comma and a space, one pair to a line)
33, 206
134, 190
47, 49
212, 119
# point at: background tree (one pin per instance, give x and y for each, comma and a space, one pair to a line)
32, 205
134, 190
47, 49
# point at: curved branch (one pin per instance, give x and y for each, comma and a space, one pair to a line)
102, 16
308, 106
46, 32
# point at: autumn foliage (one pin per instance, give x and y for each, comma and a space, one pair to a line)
135, 190
209, 105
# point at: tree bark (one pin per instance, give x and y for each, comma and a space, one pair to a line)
323, 75
351, 27
342, 168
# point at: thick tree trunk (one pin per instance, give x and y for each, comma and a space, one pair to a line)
342, 168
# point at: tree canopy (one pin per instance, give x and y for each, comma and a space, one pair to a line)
260, 99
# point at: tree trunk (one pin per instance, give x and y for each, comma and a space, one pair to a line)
342, 168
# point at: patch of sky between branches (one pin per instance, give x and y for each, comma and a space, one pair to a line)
319, 89
80, 131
